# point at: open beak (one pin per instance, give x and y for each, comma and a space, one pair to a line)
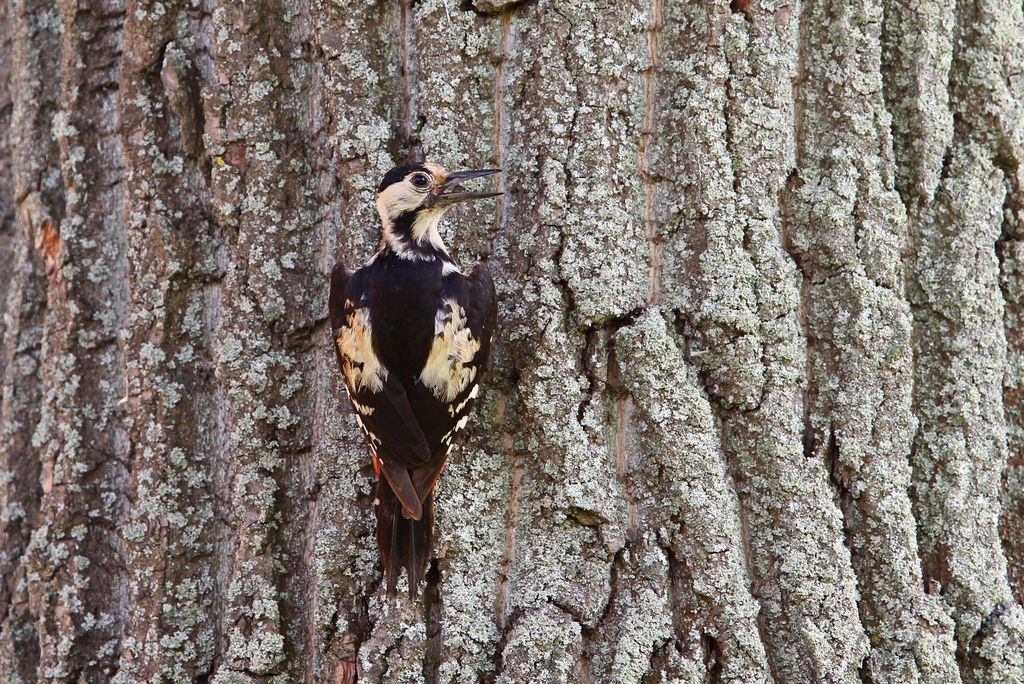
449, 193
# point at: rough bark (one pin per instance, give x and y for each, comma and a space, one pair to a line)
755, 411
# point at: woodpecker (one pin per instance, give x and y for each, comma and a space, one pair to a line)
412, 333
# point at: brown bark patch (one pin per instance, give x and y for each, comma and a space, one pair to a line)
738, 6
235, 156
48, 244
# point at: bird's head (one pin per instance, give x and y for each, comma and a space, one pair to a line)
411, 200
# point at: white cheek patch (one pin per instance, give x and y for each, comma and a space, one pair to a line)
397, 198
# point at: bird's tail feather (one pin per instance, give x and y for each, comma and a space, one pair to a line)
403, 542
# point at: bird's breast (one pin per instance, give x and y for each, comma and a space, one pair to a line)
404, 303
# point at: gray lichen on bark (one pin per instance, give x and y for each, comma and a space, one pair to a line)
754, 412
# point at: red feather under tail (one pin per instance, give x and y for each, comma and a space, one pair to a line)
403, 543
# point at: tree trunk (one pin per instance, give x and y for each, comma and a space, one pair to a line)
756, 405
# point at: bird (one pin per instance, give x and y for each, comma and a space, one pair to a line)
413, 333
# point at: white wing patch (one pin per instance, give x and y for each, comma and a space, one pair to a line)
447, 371
447, 438
360, 365
363, 408
455, 410
374, 440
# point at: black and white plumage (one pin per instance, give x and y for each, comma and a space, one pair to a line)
413, 334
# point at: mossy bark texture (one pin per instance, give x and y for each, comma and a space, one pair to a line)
756, 406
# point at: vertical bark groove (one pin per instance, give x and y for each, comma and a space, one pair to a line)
960, 324
859, 320
754, 408
76, 572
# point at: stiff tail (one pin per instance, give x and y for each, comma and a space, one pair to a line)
403, 543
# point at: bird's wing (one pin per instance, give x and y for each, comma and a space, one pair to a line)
336, 298
458, 357
381, 406
481, 314
483, 309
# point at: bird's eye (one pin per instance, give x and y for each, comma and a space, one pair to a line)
420, 180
